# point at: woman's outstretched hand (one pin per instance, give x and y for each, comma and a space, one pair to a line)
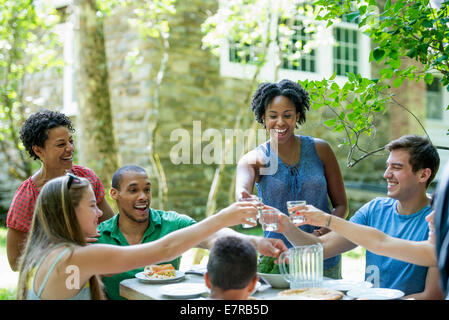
312, 215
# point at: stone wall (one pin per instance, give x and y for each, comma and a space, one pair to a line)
192, 90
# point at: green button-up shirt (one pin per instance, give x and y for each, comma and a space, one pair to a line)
161, 224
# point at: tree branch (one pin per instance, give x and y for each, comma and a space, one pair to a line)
413, 115
350, 165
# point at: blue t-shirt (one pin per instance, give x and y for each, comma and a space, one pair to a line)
382, 214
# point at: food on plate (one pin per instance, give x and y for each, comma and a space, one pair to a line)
161, 271
312, 294
267, 265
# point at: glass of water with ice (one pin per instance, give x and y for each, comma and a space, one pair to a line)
295, 218
258, 203
269, 219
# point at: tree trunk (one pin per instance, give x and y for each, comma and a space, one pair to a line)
96, 137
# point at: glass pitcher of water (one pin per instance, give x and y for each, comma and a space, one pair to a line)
305, 266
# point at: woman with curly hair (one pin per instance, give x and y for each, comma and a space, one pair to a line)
47, 136
58, 265
305, 167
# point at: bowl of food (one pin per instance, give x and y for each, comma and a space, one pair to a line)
268, 271
275, 280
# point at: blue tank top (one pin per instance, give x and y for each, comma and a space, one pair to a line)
304, 180
83, 294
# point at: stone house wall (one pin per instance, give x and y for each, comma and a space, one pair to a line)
192, 90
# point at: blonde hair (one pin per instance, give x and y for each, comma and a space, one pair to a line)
55, 223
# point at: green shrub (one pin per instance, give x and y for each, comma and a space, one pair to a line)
7, 294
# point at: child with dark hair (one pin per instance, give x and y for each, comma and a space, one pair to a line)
231, 269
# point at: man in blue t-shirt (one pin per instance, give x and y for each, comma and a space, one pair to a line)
411, 166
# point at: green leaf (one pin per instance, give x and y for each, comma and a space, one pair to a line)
427, 24
352, 16
351, 76
387, 73
412, 53
441, 59
335, 86
330, 122
398, 82
395, 63
339, 128
378, 54
398, 6
352, 116
428, 78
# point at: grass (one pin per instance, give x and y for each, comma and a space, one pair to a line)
5, 293
356, 253
3, 239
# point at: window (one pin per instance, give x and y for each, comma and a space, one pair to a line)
345, 51
247, 54
437, 117
434, 100
307, 50
296, 55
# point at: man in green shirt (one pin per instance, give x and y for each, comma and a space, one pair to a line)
137, 223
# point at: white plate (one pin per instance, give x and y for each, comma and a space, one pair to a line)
143, 278
345, 285
256, 288
375, 293
184, 290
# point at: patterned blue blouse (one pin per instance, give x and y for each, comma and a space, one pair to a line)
304, 180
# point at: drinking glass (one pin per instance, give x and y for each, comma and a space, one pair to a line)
295, 218
269, 219
258, 203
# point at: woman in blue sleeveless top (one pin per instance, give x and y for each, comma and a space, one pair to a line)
289, 166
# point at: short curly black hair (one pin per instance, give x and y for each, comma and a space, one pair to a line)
267, 91
34, 131
232, 263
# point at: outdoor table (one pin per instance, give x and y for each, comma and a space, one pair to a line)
133, 289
